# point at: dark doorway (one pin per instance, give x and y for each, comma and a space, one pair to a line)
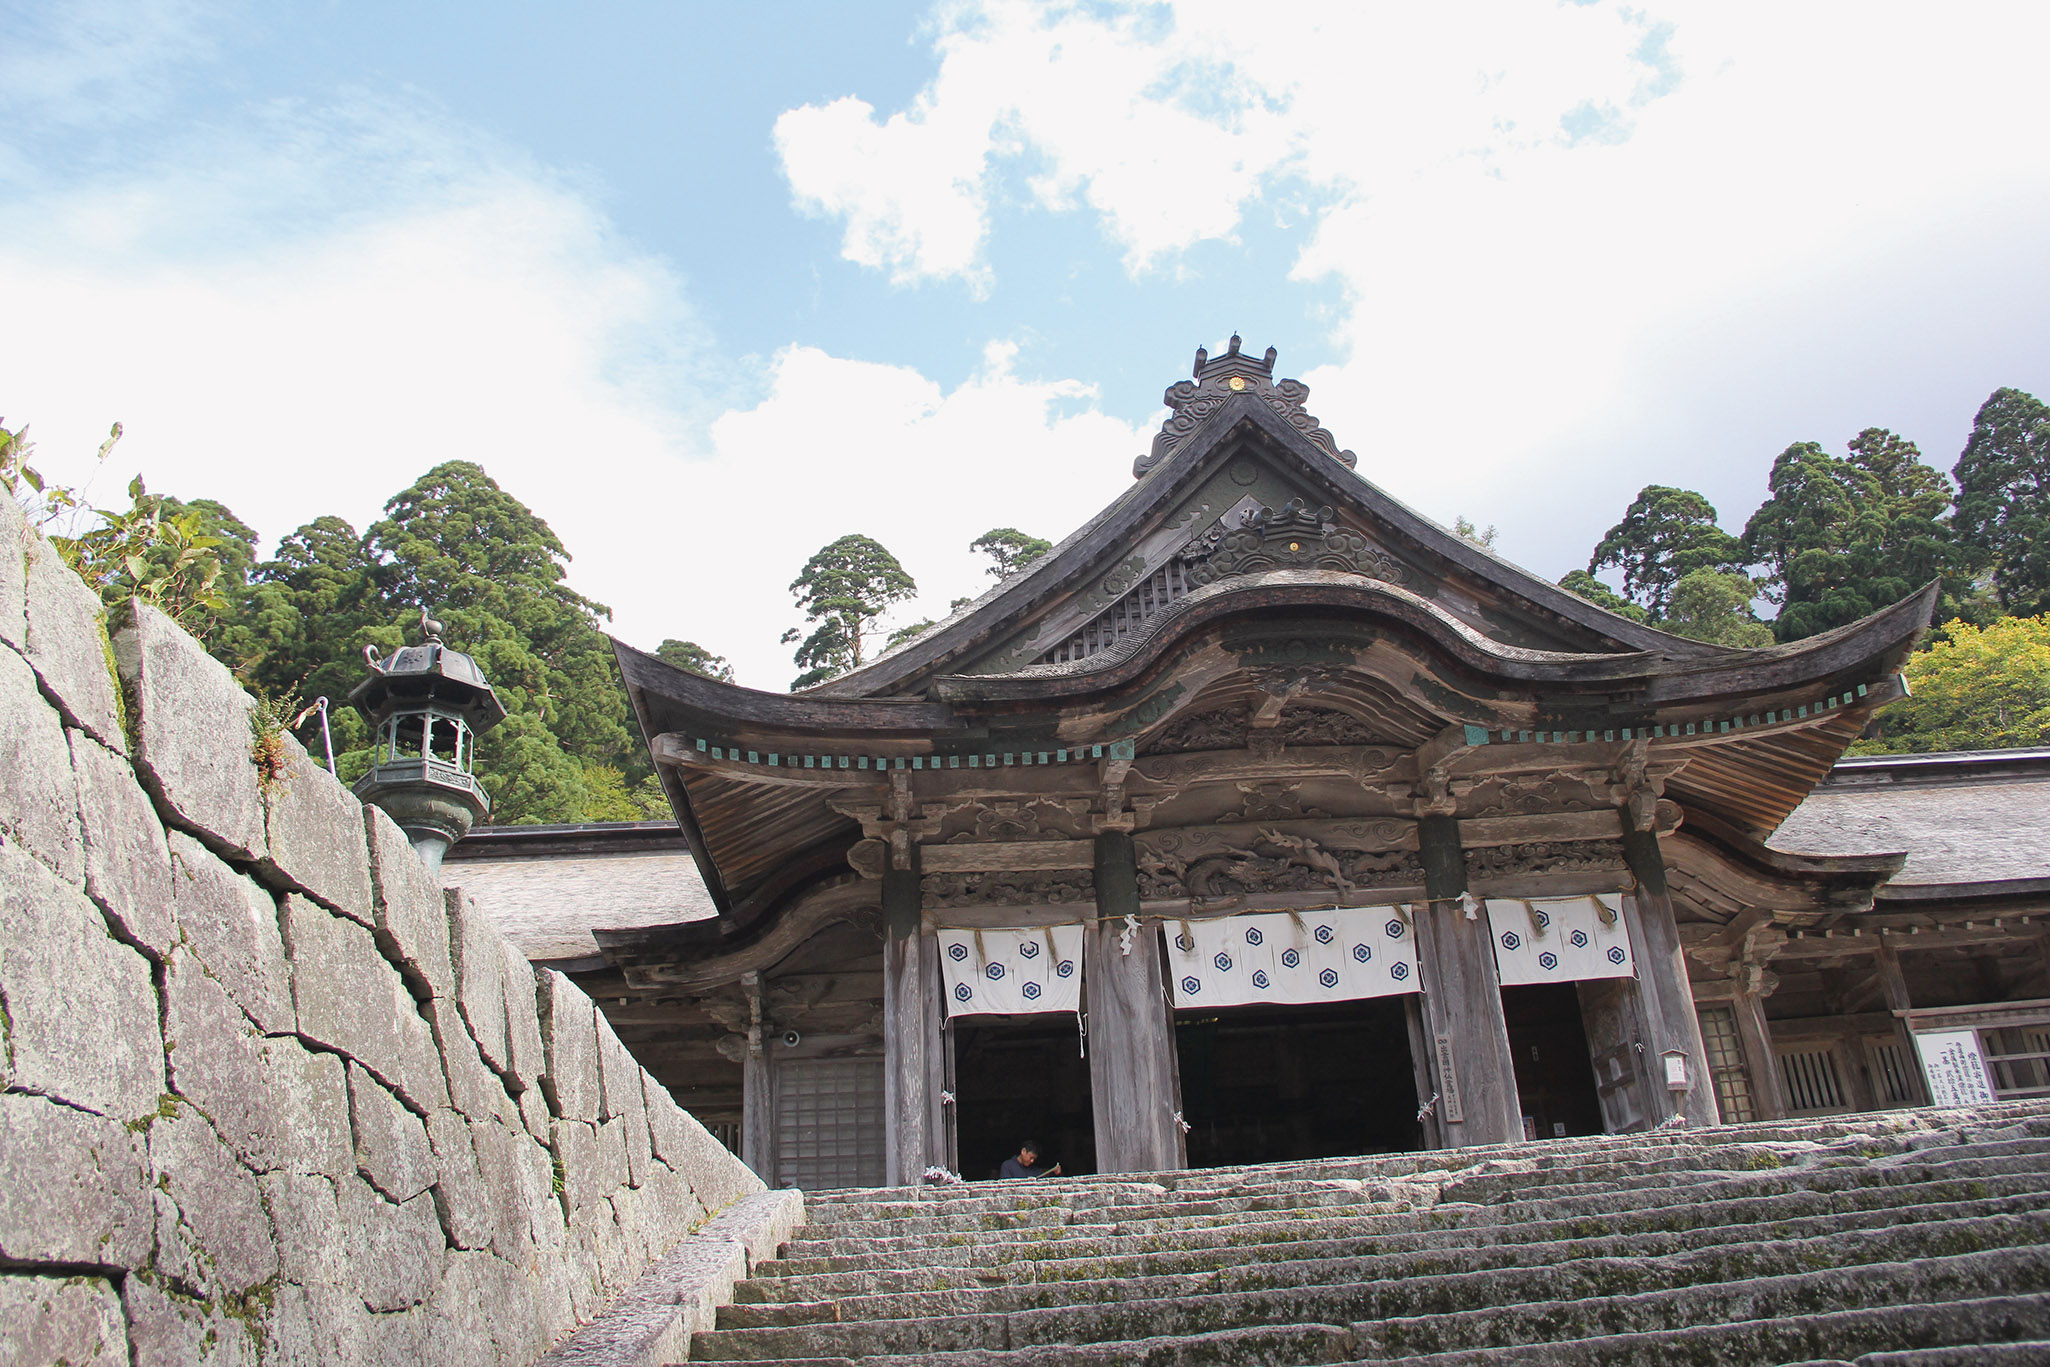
1263, 1084
1554, 1076
1018, 1078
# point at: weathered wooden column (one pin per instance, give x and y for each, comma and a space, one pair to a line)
1662, 987
757, 1088
1464, 1026
911, 1050
1134, 1075
1893, 986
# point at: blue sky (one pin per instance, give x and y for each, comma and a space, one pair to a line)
710, 285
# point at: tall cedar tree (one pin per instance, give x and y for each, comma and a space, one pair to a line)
2003, 498
1843, 537
1009, 550
1665, 535
695, 659
845, 589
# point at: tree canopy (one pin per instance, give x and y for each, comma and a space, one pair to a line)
844, 589
1975, 688
2003, 498
1665, 535
1009, 550
689, 655
1715, 606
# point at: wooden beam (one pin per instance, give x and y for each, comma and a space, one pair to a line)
1006, 856
1134, 1074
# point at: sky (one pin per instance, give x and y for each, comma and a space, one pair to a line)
709, 286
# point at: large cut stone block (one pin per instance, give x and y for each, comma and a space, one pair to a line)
39, 800
576, 1154
392, 1253
391, 1143
279, 1105
231, 923
480, 977
716, 1176
167, 1330
486, 1302
193, 734
623, 1100
569, 1034
460, 1198
127, 861
313, 829
81, 1008
90, 1183
522, 1019
350, 1000
14, 537
68, 647
71, 1320
212, 1231
406, 900
473, 1089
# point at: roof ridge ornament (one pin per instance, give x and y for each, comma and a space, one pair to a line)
1216, 381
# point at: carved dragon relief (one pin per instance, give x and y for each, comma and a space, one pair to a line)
1232, 728
1192, 401
1209, 863
1006, 888
1550, 856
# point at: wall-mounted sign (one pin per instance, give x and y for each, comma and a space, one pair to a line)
1955, 1068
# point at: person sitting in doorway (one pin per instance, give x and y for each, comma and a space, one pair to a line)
1026, 1164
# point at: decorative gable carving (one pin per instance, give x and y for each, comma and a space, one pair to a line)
1218, 381
1296, 537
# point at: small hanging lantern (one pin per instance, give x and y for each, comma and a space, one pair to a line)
427, 705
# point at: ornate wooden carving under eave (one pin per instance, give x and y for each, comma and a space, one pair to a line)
1602, 824
1207, 863
1193, 402
1010, 888
1495, 864
1362, 764
1295, 537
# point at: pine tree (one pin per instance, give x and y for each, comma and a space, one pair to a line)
845, 589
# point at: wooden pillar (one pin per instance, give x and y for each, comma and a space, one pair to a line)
1134, 1075
1893, 987
1662, 985
911, 1053
1761, 1060
1471, 1068
757, 1088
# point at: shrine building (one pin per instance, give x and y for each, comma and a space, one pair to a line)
1263, 818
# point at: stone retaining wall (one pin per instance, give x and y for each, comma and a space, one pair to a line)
272, 1094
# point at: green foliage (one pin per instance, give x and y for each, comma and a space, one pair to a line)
906, 633
1601, 595
844, 589
1464, 528
1975, 688
1665, 535
1715, 606
2003, 499
695, 659
1009, 550
608, 798
1842, 537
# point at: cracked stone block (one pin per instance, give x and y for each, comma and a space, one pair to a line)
392, 1253
480, 977
473, 1089
212, 1233
278, 1105
193, 734
583, 1179
91, 1184
391, 1144
231, 923
67, 648
460, 1198
486, 1302
39, 801
71, 1320
623, 1100
716, 1176
499, 1166
81, 1006
522, 1018
127, 860
166, 1329
14, 539
569, 1035
350, 1000
313, 829
406, 901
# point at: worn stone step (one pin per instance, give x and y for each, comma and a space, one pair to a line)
841, 1255
1990, 1330
1073, 1281
1584, 1313
1685, 1288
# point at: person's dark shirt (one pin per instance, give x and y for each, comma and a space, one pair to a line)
1013, 1168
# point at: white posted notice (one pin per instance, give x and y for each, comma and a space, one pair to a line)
1955, 1068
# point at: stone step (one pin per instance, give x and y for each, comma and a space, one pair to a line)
1485, 1187
806, 1256
1073, 1281
1430, 1314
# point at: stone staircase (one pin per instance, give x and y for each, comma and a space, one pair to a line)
1908, 1237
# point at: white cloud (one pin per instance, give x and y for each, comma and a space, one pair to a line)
843, 446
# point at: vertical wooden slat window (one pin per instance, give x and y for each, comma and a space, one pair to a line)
1896, 1076
2018, 1057
1733, 1095
1814, 1083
